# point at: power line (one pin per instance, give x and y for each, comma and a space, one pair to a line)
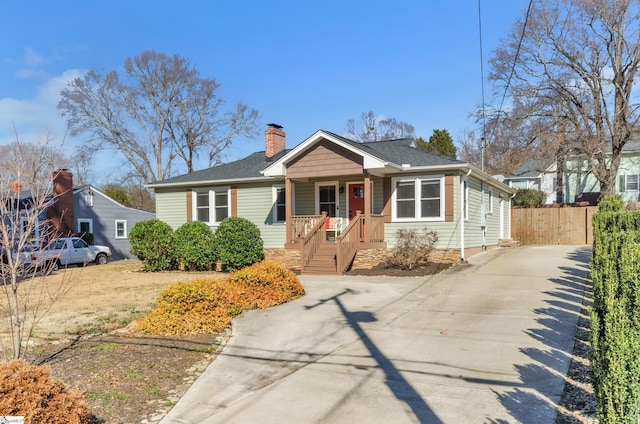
506, 87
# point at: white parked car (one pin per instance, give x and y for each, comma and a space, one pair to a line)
73, 250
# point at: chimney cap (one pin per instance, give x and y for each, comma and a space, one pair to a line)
276, 126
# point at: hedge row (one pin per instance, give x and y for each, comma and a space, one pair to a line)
207, 306
235, 244
615, 315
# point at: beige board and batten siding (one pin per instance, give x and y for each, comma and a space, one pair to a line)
171, 206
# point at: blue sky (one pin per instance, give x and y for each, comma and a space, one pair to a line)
304, 65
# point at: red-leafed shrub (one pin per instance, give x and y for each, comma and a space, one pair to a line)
29, 391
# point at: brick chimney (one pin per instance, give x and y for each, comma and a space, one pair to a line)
16, 187
274, 140
61, 213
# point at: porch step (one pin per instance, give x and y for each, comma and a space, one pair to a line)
324, 261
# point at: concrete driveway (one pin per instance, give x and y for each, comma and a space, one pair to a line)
486, 342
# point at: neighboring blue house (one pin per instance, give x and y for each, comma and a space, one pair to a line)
108, 220
580, 182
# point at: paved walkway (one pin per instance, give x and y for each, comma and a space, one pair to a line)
486, 342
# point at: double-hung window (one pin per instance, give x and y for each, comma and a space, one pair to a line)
418, 198
631, 182
211, 206
279, 199
121, 228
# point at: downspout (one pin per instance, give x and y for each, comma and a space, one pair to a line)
510, 206
462, 210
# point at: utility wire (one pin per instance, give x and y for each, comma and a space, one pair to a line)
506, 87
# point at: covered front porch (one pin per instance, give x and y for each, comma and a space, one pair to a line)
344, 221
325, 248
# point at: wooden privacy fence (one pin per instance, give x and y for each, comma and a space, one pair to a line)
553, 225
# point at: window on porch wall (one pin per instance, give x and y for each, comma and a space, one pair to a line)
279, 204
327, 200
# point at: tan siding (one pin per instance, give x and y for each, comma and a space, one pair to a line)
234, 201
325, 159
448, 198
386, 194
171, 206
189, 206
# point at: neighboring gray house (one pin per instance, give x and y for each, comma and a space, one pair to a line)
108, 220
367, 190
535, 174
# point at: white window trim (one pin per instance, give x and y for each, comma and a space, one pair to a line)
626, 189
490, 202
88, 221
317, 194
212, 203
418, 209
274, 197
126, 233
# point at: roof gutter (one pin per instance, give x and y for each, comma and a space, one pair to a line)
210, 182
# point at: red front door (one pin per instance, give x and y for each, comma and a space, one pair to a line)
356, 199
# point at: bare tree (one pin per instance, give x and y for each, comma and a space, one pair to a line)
370, 128
31, 163
23, 235
161, 109
82, 161
577, 61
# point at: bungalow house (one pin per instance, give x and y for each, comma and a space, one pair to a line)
329, 198
580, 184
535, 174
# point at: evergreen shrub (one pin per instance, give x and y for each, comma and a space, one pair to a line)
528, 197
238, 243
151, 241
615, 314
195, 246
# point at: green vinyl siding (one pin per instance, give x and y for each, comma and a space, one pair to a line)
171, 206
255, 203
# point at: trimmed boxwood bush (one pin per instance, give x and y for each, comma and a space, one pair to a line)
615, 315
151, 241
238, 243
195, 247
31, 392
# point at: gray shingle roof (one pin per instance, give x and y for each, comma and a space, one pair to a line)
399, 152
530, 169
248, 167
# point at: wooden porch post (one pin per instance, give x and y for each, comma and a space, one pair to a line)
287, 209
367, 207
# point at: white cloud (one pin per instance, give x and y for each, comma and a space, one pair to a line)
33, 59
31, 116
